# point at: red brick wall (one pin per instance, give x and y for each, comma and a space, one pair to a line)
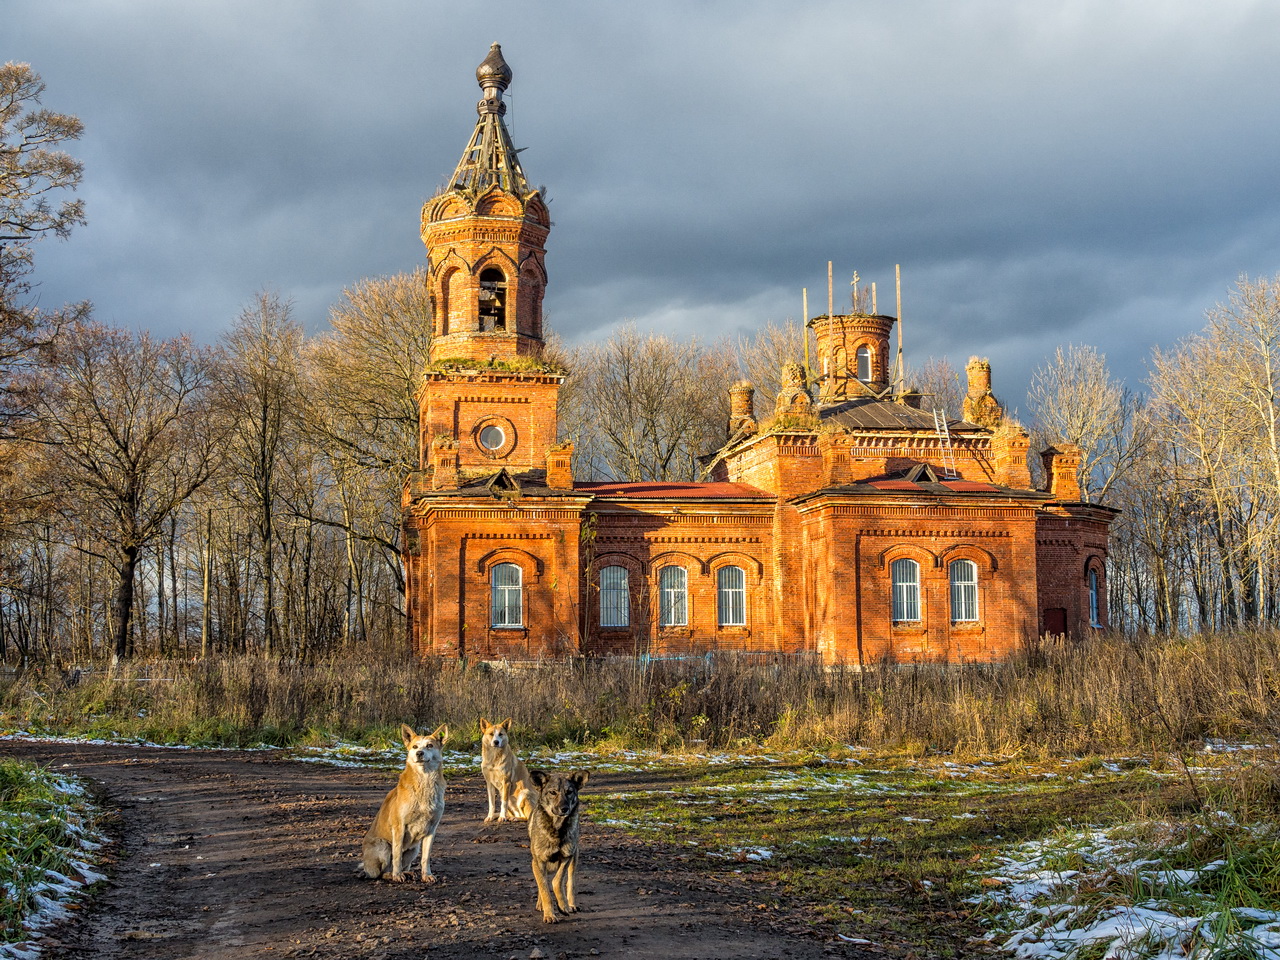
1071, 540
461, 541
701, 537
817, 575
841, 538
458, 404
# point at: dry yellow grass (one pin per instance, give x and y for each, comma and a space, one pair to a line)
1103, 694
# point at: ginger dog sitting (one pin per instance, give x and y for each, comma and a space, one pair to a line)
506, 778
411, 811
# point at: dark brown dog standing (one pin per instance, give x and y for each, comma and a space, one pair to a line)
553, 838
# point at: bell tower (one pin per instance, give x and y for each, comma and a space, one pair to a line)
485, 235
488, 400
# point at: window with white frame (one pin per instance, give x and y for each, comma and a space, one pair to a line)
1094, 611
506, 594
905, 575
863, 358
615, 597
731, 597
964, 591
673, 597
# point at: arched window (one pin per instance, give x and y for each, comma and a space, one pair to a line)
964, 591
615, 597
1094, 611
906, 590
493, 299
863, 357
506, 594
673, 590
731, 597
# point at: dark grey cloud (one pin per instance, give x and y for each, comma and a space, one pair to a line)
1081, 172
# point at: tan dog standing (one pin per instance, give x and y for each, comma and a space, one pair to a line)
506, 778
411, 811
553, 839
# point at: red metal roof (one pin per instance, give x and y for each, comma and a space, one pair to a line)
654, 490
957, 486
969, 486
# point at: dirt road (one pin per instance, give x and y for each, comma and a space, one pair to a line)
229, 854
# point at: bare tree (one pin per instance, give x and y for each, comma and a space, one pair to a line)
647, 407
762, 357
1074, 399
33, 173
1246, 331
261, 395
129, 433
366, 371
1217, 460
940, 384
363, 379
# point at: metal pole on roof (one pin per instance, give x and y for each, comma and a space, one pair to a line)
831, 303
897, 275
804, 328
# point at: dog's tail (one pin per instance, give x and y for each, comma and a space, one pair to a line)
374, 860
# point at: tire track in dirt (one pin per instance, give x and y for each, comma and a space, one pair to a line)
226, 854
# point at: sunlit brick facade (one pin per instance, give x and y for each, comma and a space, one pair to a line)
842, 521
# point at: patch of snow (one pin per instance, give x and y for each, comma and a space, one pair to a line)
55, 890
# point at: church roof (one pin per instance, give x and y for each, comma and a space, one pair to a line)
490, 158
865, 413
668, 490
923, 479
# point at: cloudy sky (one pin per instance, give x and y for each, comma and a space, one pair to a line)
1045, 172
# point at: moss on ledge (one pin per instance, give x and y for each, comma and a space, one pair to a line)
536, 365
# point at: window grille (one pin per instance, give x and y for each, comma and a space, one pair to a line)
507, 596
731, 596
906, 590
673, 589
964, 591
615, 597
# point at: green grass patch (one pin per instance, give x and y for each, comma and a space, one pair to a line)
47, 839
888, 850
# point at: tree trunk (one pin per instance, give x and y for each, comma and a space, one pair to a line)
122, 602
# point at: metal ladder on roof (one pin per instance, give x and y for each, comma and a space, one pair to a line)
944, 441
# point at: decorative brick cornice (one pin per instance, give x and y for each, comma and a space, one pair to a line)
639, 537
960, 533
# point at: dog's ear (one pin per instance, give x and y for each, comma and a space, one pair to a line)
441, 733
539, 778
578, 777
484, 725
506, 724
406, 733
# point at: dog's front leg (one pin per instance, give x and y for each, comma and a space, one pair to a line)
504, 803
492, 791
427, 875
397, 853
570, 866
544, 895
559, 884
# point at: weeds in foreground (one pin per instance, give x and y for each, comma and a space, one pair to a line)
46, 835
1102, 695
1205, 884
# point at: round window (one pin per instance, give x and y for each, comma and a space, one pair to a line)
492, 437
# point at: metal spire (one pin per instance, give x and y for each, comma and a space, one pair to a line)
490, 158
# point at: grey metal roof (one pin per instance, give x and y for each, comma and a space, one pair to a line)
865, 413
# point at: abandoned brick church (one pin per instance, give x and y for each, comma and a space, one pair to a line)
840, 519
